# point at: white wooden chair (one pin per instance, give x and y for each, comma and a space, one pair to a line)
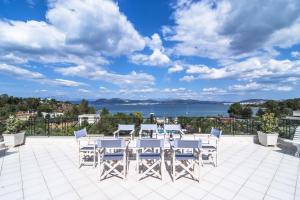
124, 128
87, 150
3, 148
113, 156
149, 156
186, 154
147, 128
296, 141
173, 130
211, 149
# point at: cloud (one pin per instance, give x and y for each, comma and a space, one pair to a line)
213, 29
68, 83
158, 56
213, 91
97, 73
295, 54
175, 68
96, 25
20, 72
26, 74
81, 90
250, 69
253, 86
76, 33
149, 92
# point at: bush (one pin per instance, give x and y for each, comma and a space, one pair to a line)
269, 123
13, 125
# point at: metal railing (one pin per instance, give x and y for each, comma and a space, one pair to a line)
107, 125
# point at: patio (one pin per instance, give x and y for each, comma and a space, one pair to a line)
47, 168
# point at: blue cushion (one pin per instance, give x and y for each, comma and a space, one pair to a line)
216, 132
80, 133
87, 148
111, 143
192, 144
149, 156
150, 143
113, 156
184, 156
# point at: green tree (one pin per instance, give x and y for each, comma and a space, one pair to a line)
246, 112
260, 112
83, 107
104, 111
235, 110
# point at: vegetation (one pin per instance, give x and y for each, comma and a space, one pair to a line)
269, 123
10, 105
237, 110
280, 108
13, 125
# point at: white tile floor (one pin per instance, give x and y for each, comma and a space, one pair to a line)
46, 168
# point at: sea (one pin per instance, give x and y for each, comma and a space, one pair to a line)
167, 109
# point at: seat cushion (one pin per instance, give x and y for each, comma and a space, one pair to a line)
87, 148
184, 156
209, 147
149, 156
113, 156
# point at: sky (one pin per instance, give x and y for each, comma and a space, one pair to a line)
223, 50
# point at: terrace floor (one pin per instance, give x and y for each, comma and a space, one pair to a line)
47, 168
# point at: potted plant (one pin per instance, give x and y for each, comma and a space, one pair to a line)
13, 135
268, 135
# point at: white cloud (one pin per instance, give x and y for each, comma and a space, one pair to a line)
253, 86
19, 72
68, 83
295, 54
213, 29
175, 68
213, 90
26, 74
95, 24
76, 33
96, 73
81, 90
250, 69
158, 56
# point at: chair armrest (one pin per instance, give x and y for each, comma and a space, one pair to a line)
181, 132
114, 133
131, 132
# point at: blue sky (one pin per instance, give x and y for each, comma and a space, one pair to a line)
205, 49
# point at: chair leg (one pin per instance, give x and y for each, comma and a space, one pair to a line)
173, 167
216, 157
124, 168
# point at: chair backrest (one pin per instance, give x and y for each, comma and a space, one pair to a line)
111, 143
126, 127
187, 144
148, 127
80, 133
172, 127
216, 132
150, 143
296, 139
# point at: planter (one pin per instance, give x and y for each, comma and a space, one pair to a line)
267, 139
12, 140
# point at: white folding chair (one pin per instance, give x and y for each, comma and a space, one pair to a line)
124, 128
211, 149
150, 157
186, 154
113, 156
173, 130
87, 151
146, 129
296, 141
